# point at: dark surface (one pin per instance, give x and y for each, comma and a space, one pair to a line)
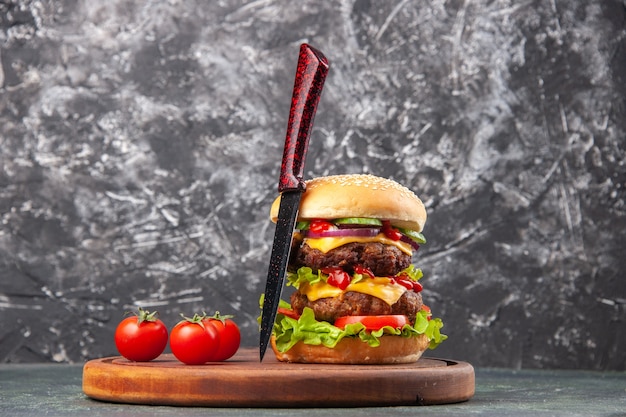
55, 390
140, 145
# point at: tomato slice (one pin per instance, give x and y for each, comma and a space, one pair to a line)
391, 232
373, 322
288, 312
319, 225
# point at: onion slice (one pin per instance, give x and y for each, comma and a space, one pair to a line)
410, 241
357, 232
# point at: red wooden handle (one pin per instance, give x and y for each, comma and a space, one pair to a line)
310, 76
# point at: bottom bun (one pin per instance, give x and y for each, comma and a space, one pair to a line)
392, 349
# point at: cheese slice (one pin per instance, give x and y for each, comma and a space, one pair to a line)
378, 287
326, 244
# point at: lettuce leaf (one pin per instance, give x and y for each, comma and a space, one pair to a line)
413, 272
289, 331
304, 275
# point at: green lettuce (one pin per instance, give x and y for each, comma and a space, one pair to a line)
289, 331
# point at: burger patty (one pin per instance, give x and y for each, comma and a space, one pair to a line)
383, 260
357, 304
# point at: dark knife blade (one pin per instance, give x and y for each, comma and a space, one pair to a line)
310, 76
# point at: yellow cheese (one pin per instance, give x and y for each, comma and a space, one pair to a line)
319, 290
326, 244
381, 288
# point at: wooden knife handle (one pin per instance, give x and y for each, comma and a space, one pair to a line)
310, 76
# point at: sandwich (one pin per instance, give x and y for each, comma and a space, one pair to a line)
357, 296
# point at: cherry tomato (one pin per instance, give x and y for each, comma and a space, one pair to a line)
373, 322
337, 277
319, 225
230, 336
141, 338
288, 312
194, 341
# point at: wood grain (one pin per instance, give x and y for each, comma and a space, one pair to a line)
243, 381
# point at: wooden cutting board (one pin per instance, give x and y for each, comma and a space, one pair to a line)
243, 381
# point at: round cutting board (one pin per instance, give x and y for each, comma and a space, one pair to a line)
244, 381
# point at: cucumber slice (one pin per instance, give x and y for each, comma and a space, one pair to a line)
412, 234
303, 225
360, 221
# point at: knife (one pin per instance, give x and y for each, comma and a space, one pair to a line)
310, 76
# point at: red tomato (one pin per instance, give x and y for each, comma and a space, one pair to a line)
288, 312
319, 225
391, 232
230, 336
373, 322
194, 341
141, 338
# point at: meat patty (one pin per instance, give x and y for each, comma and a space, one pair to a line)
382, 260
357, 304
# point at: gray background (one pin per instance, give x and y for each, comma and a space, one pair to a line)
141, 143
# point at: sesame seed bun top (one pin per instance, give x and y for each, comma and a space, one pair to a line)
359, 195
